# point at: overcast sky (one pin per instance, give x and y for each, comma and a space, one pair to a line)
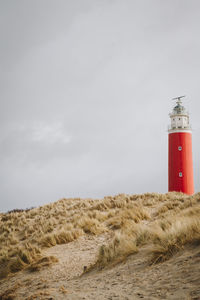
85, 93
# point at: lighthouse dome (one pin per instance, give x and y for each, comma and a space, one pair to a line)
179, 109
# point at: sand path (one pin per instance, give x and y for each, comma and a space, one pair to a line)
178, 278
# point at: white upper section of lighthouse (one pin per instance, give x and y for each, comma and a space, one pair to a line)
179, 118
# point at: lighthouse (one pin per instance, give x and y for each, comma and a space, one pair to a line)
180, 164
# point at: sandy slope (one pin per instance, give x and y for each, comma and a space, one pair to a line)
177, 278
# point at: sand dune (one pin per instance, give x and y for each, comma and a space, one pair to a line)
123, 247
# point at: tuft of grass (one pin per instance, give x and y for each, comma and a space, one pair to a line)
122, 219
90, 225
115, 251
15, 260
42, 262
16, 264
61, 237
183, 230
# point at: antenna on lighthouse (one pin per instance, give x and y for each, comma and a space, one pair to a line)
178, 99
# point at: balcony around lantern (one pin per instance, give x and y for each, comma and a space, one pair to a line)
181, 114
188, 127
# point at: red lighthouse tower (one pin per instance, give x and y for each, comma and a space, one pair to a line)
180, 165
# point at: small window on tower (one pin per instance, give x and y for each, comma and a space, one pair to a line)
179, 119
179, 148
180, 174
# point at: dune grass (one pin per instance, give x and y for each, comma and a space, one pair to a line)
165, 232
116, 251
182, 230
133, 220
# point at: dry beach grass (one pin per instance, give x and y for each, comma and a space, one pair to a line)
153, 226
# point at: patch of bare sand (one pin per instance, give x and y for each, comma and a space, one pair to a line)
178, 278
